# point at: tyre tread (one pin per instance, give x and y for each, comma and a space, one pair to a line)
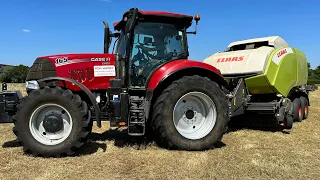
82, 110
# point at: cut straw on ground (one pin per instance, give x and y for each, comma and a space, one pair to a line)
111, 154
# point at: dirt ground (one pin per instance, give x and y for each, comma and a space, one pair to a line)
246, 154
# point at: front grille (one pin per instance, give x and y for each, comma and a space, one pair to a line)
41, 68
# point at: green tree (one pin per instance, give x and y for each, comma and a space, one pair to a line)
313, 75
14, 74
317, 72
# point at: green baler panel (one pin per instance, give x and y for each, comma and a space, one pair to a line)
286, 68
302, 65
258, 85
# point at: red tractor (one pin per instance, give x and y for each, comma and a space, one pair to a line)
148, 84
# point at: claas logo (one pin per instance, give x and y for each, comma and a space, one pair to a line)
282, 52
231, 59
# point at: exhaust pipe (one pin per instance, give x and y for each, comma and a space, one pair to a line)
107, 40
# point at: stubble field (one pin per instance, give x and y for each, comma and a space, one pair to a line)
111, 154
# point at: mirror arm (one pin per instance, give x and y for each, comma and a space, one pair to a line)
196, 18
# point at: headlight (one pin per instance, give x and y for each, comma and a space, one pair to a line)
32, 85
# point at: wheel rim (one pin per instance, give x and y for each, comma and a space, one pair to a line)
194, 115
50, 124
306, 110
300, 113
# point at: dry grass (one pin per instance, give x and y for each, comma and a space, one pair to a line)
17, 86
248, 154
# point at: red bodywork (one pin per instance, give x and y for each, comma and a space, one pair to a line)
175, 66
81, 67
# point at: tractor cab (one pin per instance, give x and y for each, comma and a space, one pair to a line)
146, 41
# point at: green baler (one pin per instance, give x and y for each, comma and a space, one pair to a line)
271, 75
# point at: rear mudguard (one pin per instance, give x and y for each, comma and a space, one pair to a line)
176, 69
187, 67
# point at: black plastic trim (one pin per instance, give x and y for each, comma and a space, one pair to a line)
8, 104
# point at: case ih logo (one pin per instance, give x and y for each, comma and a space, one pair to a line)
100, 59
230, 59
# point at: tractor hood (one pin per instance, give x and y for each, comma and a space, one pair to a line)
242, 62
60, 60
92, 70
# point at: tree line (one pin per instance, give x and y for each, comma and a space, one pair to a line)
18, 74
313, 75
14, 74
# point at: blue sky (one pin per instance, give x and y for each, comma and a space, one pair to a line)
31, 28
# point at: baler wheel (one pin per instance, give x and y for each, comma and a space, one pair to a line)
288, 122
190, 114
297, 111
52, 122
304, 107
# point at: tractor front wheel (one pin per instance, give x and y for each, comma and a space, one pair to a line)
51, 122
190, 114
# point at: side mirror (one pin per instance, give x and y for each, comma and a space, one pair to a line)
107, 38
131, 19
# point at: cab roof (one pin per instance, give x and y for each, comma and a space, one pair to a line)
158, 16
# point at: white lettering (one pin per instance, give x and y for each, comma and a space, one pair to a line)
100, 59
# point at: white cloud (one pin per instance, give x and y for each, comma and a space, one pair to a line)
107, 0
26, 30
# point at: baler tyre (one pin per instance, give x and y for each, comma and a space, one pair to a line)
304, 107
297, 111
191, 97
37, 129
288, 122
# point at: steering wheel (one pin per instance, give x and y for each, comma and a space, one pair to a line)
168, 56
148, 64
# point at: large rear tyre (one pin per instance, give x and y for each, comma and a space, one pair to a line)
190, 114
52, 122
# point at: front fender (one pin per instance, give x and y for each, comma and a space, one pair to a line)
85, 89
183, 65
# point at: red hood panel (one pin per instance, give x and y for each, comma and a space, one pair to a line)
65, 59
92, 70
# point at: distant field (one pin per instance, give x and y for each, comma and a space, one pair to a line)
17, 86
247, 154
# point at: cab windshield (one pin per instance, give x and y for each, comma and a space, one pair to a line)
153, 45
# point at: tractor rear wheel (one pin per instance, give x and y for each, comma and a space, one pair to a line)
190, 114
52, 122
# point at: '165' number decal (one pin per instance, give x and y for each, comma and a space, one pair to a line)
61, 60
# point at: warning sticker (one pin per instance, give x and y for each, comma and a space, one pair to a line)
108, 70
